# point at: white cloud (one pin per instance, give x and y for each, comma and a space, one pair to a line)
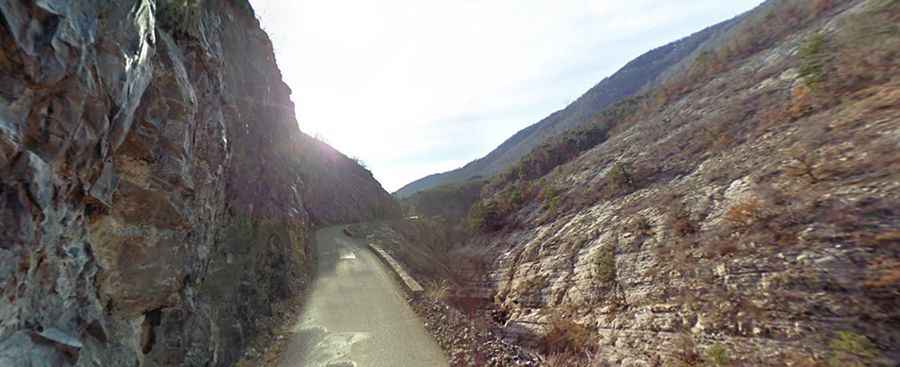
415, 87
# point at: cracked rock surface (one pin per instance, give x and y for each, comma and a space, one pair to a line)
154, 184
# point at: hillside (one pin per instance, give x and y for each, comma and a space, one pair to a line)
746, 212
742, 212
157, 195
640, 74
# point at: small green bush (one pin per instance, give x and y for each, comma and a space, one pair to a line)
813, 60
619, 179
604, 265
717, 355
851, 349
642, 226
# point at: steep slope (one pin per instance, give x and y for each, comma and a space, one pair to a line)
641, 73
744, 212
155, 209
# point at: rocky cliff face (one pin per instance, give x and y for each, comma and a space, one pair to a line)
155, 187
743, 213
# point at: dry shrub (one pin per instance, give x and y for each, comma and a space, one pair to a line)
717, 138
561, 360
680, 221
795, 359
437, 291
774, 113
802, 165
641, 226
886, 237
884, 274
802, 102
564, 336
573, 360
821, 6
752, 35
867, 48
746, 213
685, 352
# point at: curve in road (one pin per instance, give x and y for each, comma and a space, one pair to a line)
356, 315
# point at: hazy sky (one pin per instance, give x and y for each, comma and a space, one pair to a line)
414, 87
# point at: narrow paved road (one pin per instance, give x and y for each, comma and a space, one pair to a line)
355, 314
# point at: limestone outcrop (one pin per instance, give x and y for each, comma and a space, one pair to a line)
155, 187
742, 213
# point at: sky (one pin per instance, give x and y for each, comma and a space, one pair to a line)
415, 87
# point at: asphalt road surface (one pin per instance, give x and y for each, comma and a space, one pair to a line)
356, 315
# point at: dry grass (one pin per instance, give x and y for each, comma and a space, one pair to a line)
573, 360
566, 337
746, 213
680, 221
885, 273
437, 291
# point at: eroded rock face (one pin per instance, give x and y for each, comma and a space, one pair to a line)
748, 229
151, 186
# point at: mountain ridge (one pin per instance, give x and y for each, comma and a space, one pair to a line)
641, 73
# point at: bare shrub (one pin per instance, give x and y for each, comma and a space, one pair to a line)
746, 213
680, 220
867, 47
685, 352
641, 226
884, 273
802, 102
573, 360
564, 336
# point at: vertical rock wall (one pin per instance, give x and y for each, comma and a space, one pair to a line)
151, 183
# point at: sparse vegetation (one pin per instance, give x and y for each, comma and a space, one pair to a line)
685, 352
564, 336
604, 265
850, 349
619, 179
180, 16
681, 166
813, 59
359, 162
746, 213
884, 273
802, 165
717, 355
641, 226
680, 220
485, 217
437, 290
